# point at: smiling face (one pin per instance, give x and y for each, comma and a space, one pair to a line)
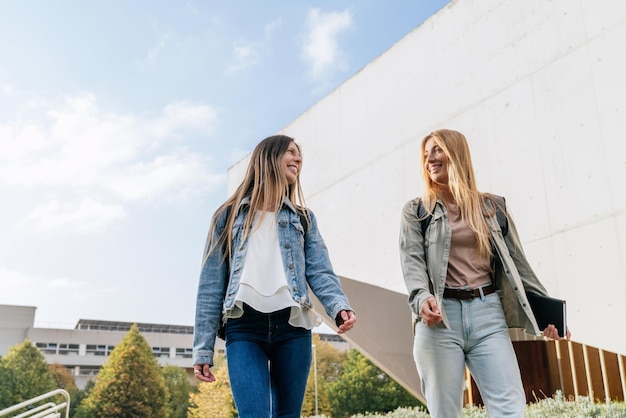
435, 162
291, 163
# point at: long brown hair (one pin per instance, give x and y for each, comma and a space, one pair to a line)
461, 185
265, 185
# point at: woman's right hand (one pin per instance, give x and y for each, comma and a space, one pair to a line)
552, 332
203, 372
429, 312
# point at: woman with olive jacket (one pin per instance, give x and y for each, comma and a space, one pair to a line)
466, 284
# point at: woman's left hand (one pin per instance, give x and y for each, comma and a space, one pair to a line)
345, 321
552, 332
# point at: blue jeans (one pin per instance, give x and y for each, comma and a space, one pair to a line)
268, 364
479, 338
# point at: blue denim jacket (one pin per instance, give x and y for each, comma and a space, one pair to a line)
306, 263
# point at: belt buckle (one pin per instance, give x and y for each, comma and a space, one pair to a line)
473, 295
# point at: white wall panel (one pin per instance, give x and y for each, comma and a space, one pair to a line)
608, 63
505, 145
602, 16
589, 265
571, 146
363, 226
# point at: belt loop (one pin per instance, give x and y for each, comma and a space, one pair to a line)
482, 294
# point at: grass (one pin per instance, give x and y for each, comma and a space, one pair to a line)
557, 406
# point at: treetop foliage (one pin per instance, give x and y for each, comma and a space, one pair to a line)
129, 385
24, 374
214, 399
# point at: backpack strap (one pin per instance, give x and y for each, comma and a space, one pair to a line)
503, 221
303, 222
423, 216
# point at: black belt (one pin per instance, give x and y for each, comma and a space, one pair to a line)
468, 294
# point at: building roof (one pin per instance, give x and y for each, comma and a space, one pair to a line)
98, 325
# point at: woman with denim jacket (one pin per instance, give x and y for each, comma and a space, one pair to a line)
466, 284
263, 254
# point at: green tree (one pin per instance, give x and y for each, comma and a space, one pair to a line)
77, 397
64, 380
178, 390
329, 367
214, 399
363, 387
62, 377
24, 374
129, 385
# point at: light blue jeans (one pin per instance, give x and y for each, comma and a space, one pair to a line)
479, 338
268, 364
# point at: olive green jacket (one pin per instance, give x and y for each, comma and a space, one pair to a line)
424, 260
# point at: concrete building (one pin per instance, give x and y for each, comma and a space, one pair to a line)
538, 89
84, 349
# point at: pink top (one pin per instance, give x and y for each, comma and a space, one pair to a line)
465, 267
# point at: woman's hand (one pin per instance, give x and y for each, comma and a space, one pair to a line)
552, 332
203, 372
429, 312
345, 321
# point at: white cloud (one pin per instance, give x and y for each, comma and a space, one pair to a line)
65, 284
272, 27
20, 288
321, 45
155, 51
6, 89
180, 174
184, 116
244, 56
86, 215
248, 54
13, 280
83, 163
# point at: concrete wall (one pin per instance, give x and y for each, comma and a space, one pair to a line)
14, 324
538, 88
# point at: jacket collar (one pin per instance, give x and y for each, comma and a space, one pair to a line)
286, 203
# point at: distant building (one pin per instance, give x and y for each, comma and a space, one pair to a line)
84, 349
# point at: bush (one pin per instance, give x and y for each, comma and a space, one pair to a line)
557, 406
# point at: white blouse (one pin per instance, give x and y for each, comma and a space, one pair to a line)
263, 283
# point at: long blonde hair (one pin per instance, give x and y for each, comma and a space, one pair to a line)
265, 185
461, 185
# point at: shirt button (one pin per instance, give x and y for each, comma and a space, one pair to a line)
295, 288
287, 246
290, 266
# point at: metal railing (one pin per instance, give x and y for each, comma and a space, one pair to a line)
47, 410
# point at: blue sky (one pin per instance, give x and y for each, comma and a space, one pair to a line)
119, 121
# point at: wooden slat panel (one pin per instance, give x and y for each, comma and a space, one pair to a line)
595, 372
616, 392
534, 365
578, 359
475, 395
553, 367
566, 369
